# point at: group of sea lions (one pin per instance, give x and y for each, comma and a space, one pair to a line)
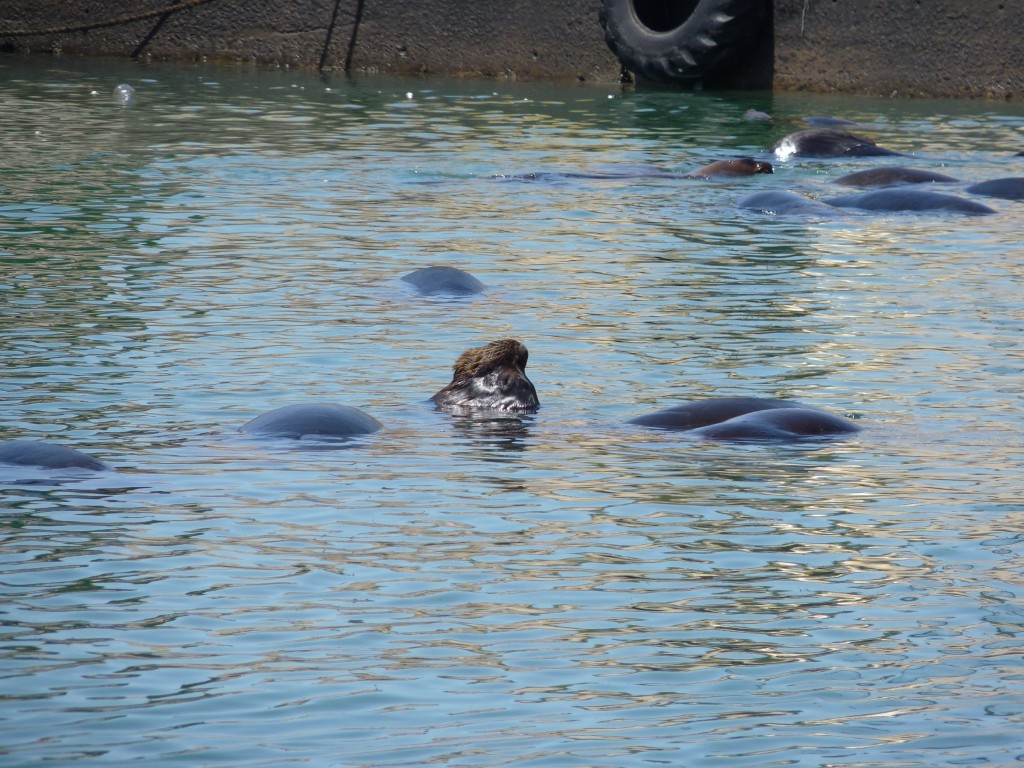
898, 185
493, 377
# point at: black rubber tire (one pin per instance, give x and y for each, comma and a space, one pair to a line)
708, 34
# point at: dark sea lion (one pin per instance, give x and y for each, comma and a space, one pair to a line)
1009, 188
738, 166
776, 202
748, 418
827, 142
491, 377
313, 420
32, 453
891, 176
908, 199
451, 281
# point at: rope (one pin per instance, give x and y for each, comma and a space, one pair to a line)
111, 23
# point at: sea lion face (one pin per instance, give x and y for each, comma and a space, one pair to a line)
491, 377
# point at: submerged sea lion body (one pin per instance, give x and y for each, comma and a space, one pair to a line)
313, 420
785, 203
906, 199
827, 142
33, 453
451, 281
1009, 188
748, 418
490, 377
891, 176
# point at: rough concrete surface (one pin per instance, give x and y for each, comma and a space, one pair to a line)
949, 48
517, 38
883, 47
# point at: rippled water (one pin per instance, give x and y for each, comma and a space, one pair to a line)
564, 590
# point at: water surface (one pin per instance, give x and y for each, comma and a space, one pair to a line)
561, 590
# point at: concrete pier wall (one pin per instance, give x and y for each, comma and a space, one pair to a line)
946, 48
882, 47
520, 38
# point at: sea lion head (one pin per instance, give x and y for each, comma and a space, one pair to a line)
738, 166
493, 377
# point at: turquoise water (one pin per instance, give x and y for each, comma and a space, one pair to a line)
561, 590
